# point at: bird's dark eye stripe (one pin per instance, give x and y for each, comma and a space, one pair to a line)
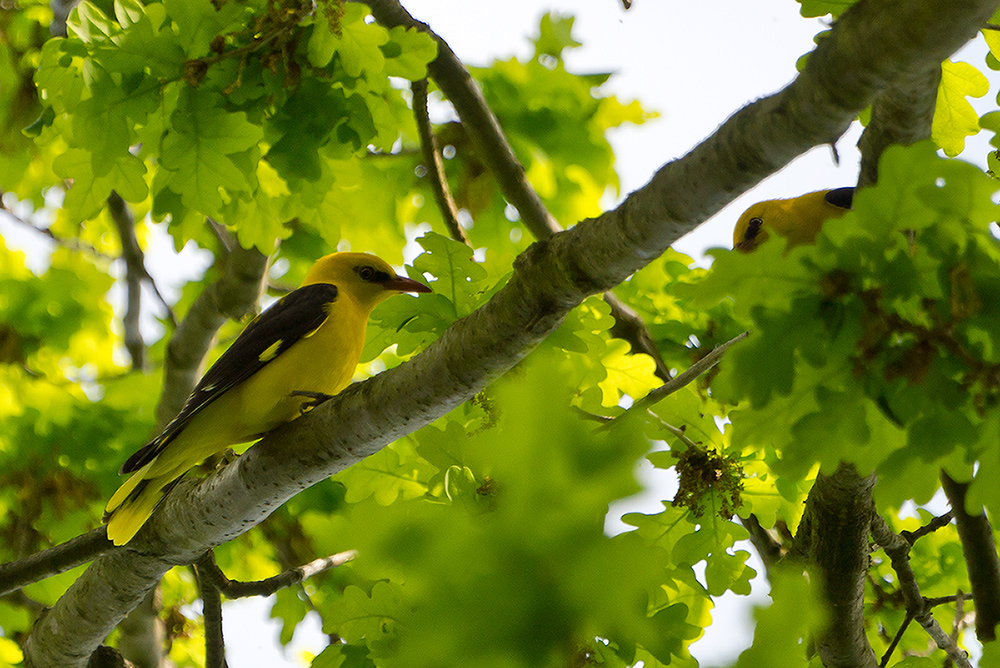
753, 229
371, 274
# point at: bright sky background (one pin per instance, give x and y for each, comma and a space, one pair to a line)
695, 62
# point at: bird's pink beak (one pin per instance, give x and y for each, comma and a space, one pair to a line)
403, 284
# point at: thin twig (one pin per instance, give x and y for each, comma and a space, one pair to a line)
235, 589
897, 549
211, 599
54, 560
629, 326
695, 370
936, 523
434, 164
135, 270
71, 244
895, 641
135, 266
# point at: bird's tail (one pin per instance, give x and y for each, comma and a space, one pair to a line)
133, 503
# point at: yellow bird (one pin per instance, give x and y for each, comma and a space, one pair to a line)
798, 219
290, 358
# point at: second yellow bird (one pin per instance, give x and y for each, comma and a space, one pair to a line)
294, 355
798, 219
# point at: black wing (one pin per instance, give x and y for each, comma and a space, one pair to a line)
292, 318
842, 197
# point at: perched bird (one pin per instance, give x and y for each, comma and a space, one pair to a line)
290, 358
798, 219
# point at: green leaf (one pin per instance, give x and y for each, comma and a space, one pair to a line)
356, 42
954, 117
784, 628
199, 22
200, 150
555, 35
291, 610
359, 617
411, 51
814, 8
459, 276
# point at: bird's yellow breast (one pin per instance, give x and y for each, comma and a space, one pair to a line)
322, 362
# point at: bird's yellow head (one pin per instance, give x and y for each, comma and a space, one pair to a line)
798, 219
366, 278
750, 232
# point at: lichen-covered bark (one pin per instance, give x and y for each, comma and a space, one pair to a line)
838, 520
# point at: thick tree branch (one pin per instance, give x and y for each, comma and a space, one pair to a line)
980, 550
835, 527
872, 45
900, 115
142, 634
434, 164
917, 607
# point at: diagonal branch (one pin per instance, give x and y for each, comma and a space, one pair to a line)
900, 115
980, 550
54, 560
435, 166
234, 589
872, 45
496, 153
917, 607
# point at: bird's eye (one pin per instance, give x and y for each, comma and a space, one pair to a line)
366, 273
753, 228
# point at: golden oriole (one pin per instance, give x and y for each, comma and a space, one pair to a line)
294, 355
798, 219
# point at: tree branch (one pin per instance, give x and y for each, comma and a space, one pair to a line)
235, 589
897, 549
835, 527
900, 115
135, 271
980, 550
768, 549
698, 368
211, 600
434, 164
72, 244
54, 560
873, 44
